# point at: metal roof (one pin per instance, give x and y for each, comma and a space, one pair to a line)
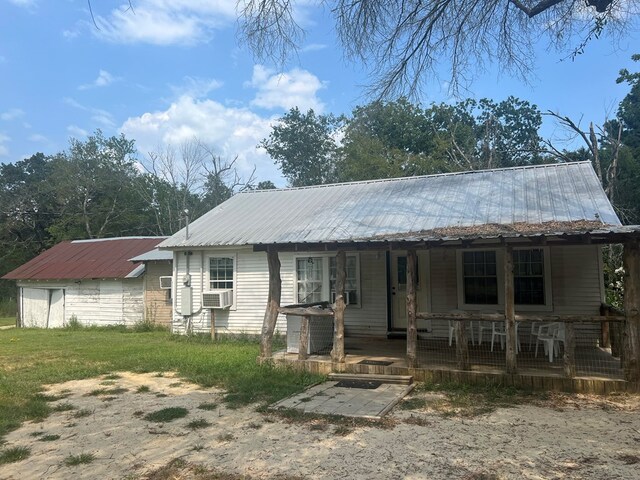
385, 209
153, 255
83, 259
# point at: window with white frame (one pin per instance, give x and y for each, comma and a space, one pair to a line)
316, 279
221, 275
480, 277
310, 279
528, 276
482, 282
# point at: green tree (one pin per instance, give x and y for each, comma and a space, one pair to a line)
394, 139
28, 207
95, 189
303, 146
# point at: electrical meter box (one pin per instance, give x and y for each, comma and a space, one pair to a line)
186, 304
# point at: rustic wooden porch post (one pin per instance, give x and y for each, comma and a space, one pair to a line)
412, 326
273, 303
462, 344
569, 350
631, 335
509, 311
303, 344
337, 353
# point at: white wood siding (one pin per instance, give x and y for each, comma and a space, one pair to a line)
575, 277
252, 288
92, 302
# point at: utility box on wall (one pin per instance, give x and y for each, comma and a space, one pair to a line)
186, 303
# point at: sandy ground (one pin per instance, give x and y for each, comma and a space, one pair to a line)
578, 437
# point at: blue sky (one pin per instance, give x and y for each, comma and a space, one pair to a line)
173, 69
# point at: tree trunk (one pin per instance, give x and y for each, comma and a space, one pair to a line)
510, 312
631, 345
337, 354
412, 327
273, 303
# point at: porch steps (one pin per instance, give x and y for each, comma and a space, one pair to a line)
394, 379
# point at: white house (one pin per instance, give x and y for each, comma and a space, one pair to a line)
93, 281
478, 259
535, 207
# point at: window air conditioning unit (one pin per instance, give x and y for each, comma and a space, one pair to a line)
347, 297
217, 299
166, 282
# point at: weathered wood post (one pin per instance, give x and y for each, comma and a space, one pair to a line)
569, 357
462, 345
605, 328
631, 342
412, 325
303, 344
337, 353
273, 303
510, 312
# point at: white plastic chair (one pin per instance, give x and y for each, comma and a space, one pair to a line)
550, 334
498, 329
452, 329
483, 325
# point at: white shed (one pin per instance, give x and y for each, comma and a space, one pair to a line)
93, 281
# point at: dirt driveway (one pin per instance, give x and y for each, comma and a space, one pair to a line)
105, 429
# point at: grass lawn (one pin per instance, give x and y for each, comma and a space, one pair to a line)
30, 358
7, 321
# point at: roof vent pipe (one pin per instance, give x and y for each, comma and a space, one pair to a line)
186, 221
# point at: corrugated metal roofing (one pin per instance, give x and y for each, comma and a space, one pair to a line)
377, 209
82, 259
155, 254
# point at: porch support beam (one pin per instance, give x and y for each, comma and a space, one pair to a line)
303, 344
510, 312
462, 345
631, 335
273, 304
569, 357
337, 353
499, 317
412, 326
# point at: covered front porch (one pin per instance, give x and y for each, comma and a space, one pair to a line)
456, 344
597, 371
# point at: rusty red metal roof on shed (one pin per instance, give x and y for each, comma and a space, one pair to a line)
83, 259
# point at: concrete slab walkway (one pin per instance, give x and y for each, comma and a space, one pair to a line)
329, 399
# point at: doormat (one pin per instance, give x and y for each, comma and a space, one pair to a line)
366, 384
383, 363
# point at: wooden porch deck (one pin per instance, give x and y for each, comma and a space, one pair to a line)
596, 370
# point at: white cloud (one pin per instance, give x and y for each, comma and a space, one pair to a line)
295, 88
313, 47
98, 115
24, 3
11, 114
4, 150
104, 79
38, 138
70, 34
196, 87
76, 131
231, 131
165, 22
